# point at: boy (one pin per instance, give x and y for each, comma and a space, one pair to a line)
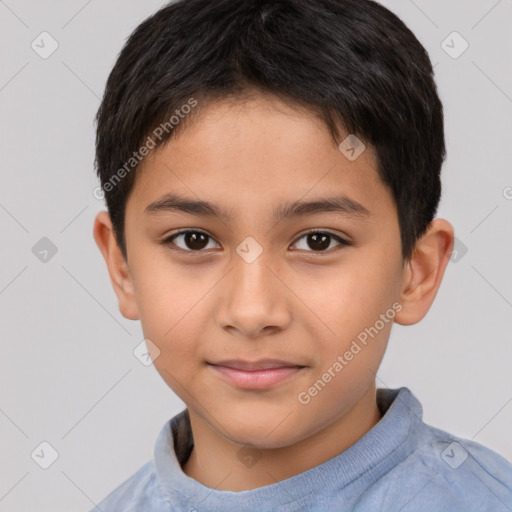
272, 173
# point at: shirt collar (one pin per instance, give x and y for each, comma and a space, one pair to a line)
383, 445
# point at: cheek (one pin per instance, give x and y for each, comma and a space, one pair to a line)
170, 304
350, 298
178, 361
165, 292
356, 304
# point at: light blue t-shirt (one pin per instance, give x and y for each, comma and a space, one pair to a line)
400, 465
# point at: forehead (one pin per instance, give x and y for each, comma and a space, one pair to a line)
257, 154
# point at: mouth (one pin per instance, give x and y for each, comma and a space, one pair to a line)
256, 374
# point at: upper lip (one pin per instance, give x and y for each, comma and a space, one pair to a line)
263, 364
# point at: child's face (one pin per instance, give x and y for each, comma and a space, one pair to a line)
301, 301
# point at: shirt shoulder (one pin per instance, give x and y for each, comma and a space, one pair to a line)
445, 472
474, 470
140, 491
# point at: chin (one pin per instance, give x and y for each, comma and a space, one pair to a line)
256, 441
262, 433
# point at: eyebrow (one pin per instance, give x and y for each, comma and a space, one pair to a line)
342, 205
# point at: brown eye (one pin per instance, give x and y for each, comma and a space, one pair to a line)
319, 241
191, 241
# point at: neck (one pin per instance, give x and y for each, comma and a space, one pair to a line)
215, 464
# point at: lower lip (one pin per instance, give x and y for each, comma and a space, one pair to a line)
257, 379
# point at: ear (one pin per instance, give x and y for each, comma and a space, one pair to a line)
117, 265
424, 272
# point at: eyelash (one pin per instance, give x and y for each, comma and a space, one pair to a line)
169, 241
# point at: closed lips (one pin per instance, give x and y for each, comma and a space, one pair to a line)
256, 365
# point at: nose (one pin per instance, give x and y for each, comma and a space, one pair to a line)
253, 301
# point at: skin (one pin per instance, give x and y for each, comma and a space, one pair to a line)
294, 302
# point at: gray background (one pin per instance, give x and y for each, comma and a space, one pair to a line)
68, 373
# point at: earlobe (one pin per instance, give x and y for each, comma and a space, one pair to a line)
424, 272
117, 266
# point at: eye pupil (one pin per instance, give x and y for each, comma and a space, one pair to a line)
318, 241
196, 240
